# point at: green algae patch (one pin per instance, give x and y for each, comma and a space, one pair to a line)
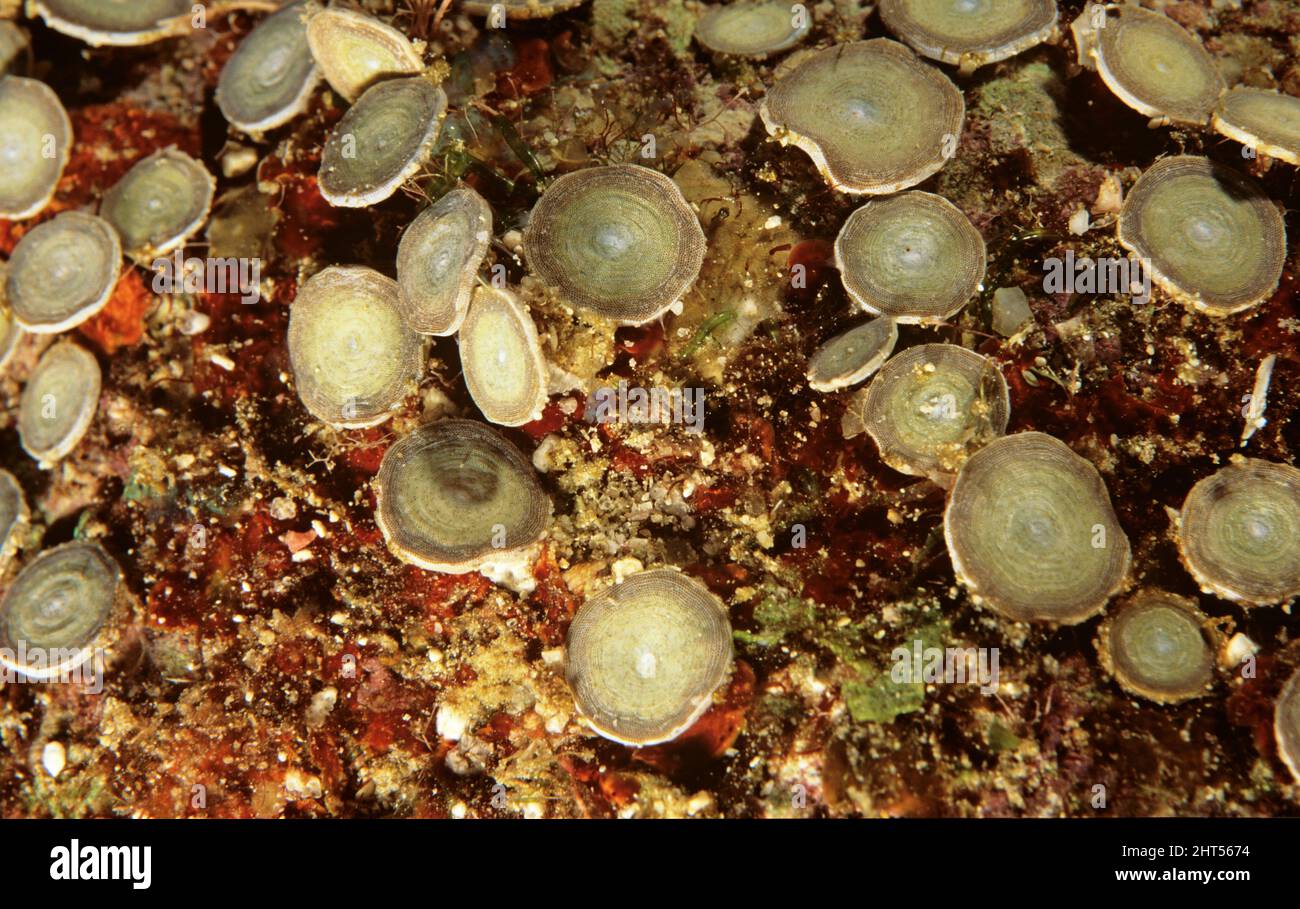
871, 694
779, 615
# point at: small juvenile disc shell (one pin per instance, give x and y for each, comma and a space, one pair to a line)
1032, 533
1155, 646
501, 358
35, 142
456, 496
852, 356
59, 402
58, 609
753, 29
870, 114
63, 272
644, 657
14, 516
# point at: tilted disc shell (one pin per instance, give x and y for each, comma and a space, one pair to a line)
1211, 236
10, 331
501, 358
1286, 725
645, 657
355, 51
116, 22
58, 607
929, 407
757, 29
970, 32
1155, 646
914, 257
1032, 533
620, 241
438, 260
63, 272
13, 515
520, 9
59, 402
1239, 532
872, 116
1157, 67
159, 203
35, 141
852, 356
270, 77
381, 141
353, 356
456, 495
1267, 122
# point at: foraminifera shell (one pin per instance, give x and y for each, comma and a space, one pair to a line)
63, 272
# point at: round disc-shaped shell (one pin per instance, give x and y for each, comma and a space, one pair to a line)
270, 77
931, 406
620, 241
63, 272
1211, 236
355, 51
1239, 532
159, 203
848, 358
116, 22
1155, 646
1157, 67
1032, 533
59, 402
521, 9
383, 139
13, 515
970, 32
753, 29
873, 117
35, 141
57, 609
644, 657
438, 261
353, 356
1286, 725
915, 257
1268, 122
501, 358
456, 495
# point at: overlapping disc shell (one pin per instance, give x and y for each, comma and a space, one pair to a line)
59, 402
63, 272
501, 358
354, 50
35, 141
116, 22
1211, 237
620, 241
354, 358
873, 117
13, 515
645, 656
159, 203
456, 495
1286, 725
852, 356
1267, 122
270, 77
1239, 532
521, 9
57, 608
438, 261
381, 141
1032, 533
914, 257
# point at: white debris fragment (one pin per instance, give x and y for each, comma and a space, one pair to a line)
53, 758
449, 724
1257, 400
1080, 221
